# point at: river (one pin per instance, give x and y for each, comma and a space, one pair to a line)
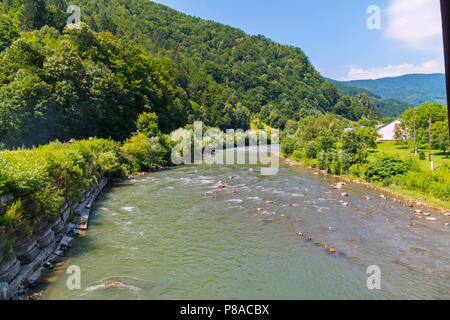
173, 235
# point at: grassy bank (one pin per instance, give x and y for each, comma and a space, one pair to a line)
50, 174
398, 187
391, 148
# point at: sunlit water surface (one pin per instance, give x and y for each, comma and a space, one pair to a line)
162, 238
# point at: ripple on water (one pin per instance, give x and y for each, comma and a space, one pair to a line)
221, 247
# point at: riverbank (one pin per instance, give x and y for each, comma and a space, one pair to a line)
160, 237
46, 195
411, 198
45, 243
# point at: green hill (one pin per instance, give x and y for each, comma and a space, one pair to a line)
137, 56
414, 89
387, 107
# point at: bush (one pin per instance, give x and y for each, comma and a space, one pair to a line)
325, 160
109, 165
386, 167
435, 183
326, 140
387, 182
422, 155
22, 171
147, 123
288, 146
14, 213
357, 169
143, 153
298, 155
311, 150
47, 201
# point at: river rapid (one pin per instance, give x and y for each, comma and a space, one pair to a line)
226, 232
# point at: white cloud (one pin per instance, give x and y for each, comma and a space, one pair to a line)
432, 66
416, 23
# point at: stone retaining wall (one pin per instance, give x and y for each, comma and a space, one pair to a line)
28, 249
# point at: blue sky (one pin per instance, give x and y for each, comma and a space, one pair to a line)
334, 33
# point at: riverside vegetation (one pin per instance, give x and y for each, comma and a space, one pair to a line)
135, 58
322, 142
56, 172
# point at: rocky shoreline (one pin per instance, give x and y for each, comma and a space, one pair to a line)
36, 248
406, 201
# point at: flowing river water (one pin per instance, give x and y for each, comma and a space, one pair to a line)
174, 235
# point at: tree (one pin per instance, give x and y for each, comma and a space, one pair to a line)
33, 14
443, 142
355, 145
147, 123
326, 140
8, 31
420, 116
370, 136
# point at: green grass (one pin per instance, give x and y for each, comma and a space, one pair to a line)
392, 149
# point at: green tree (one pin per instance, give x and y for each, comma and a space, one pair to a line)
355, 145
33, 14
326, 140
147, 123
443, 142
420, 116
8, 31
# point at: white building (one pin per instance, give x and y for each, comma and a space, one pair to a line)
387, 131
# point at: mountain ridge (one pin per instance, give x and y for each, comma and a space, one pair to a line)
415, 88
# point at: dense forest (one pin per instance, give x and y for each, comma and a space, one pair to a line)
134, 56
387, 107
414, 89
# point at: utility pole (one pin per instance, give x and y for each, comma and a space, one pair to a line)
429, 146
415, 143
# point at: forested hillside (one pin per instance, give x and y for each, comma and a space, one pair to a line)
133, 56
414, 89
387, 107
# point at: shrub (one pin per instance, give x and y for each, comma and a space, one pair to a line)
385, 167
297, 155
288, 146
356, 169
47, 201
435, 183
422, 155
325, 160
142, 153
326, 140
14, 213
147, 123
21, 171
109, 164
387, 181
311, 150
136, 150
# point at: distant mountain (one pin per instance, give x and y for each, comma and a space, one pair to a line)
387, 107
412, 88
